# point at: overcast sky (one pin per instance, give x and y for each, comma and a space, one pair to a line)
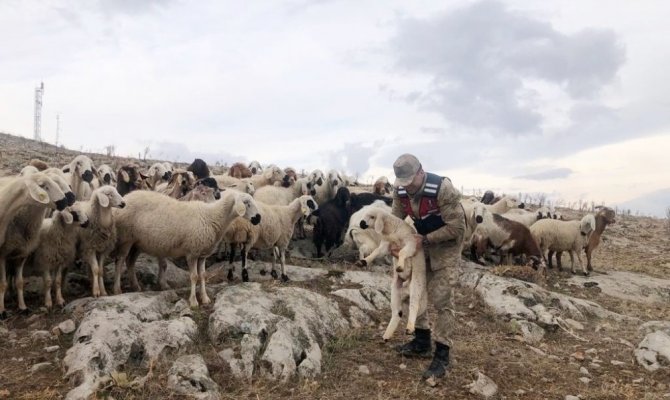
570, 98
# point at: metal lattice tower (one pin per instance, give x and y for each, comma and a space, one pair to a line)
57, 128
39, 91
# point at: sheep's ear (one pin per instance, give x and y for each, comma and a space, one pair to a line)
37, 193
143, 175
67, 217
124, 176
379, 225
103, 199
239, 207
66, 168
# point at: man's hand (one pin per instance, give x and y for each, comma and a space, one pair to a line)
395, 249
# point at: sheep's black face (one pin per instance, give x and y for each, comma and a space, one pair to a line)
311, 204
85, 224
363, 225
61, 204
87, 176
253, 170
167, 175
522, 206
107, 178
70, 198
286, 181
217, 194
312, 192
75, 216
256, 219
319, 181
479, 219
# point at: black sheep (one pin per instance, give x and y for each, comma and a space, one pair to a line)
332, 220
360, 200
199, 168
129, 178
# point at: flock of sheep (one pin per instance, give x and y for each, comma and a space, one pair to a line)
52, 217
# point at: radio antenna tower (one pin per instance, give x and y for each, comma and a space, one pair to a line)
39, 91
57, 128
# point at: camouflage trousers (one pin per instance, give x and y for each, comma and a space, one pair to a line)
443, 263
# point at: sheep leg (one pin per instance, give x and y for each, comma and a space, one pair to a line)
282, 260
549, 258
101, 276
19, 285
417, 288
202, 275
396, 307
59, 283
581, 264
47, 282
3, 287
132, 259
572, 262
559, 259
403, 255
273, 272
95, 282
162, 274
381, 249
121, 258
193, 273
588, 250
245, 273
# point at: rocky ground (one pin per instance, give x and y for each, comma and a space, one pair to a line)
606, 336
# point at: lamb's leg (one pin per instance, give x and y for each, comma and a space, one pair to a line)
95, 282
396, 307
231, 259
132, 259
381, 249
549, 258
101, 276
19, 285
581, 264
282, 260
417, 289
245, 273
275, 254
47, 282
3, 287
572, 262
193, 273
204, 299
559, 260
588, 250
121, 258
162, 274
408, 250
59, 283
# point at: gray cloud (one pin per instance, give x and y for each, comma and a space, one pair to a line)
479, 56
555, 173
354, 158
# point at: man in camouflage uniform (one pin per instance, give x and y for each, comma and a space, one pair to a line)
434, 205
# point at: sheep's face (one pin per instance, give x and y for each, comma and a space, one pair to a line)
168, 167
79, 215
480, 212
246, 208
255, 168
158, 171
536, 262
307, 205
373, 218
63, 185
609, 215
316, 177
106, 175
107, 196
82, 166
335, 179
209, 183
49, 191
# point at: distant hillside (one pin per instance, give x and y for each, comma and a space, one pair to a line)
653, 203
16, 152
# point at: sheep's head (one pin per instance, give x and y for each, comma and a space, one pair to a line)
543, 212
106, 175
255, 167
316, 177
209, 182
82, 167
373, 217
342, 197
608, 214
307, 205
158, 171
587, 224
184, 180
44, 190
27, 170
108, 196
199, 168
78, 214
536, 262
480, 213
168, 166
335, 179
57, 176
245, 207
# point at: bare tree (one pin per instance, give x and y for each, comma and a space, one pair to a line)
110, 150
667, 214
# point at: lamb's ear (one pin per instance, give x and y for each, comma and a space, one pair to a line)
239, 206
66, 168
37, 193
102, 199
124, 176
379, 224
67, 217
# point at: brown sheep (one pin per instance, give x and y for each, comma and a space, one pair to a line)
39, 164
604, 217
239, 171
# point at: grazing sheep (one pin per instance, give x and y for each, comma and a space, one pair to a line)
382, 186
57, 249
505, 204
81, 173
332, 217
409, 266
180, 183
255, 168
274, 232
106, 176
164, 227
239, 171
97, 242
604, 217
525, 217
130, 178
557, 236
366, 240
199, 168
20, 232
157, 173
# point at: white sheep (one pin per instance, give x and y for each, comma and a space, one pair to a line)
282, 196
243, 185
97, 242
274, 232
327, 191
164, 227
366, 240
20, 222
57, 249
81, 172
503, 205
255, 167
525, 217
409, 266
105, 176
556, 236
382, 186
157, 173
180, 183
271, 175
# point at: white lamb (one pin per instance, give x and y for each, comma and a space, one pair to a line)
255, 167
410, 265
366, 240
81, 173
503, 205
20, 226
282, 196
525, 217
105, 176
164, 227
329, 188
57, 249
97, 242
556, 236
274, 232
158, 173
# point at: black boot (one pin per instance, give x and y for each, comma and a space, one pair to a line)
438, 367
417, 347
